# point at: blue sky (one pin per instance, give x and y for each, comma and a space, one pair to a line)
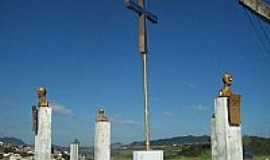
85, 52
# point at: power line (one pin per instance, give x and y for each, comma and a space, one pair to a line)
258, 35
263, 30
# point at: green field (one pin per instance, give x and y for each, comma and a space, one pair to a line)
169, 155
200, 158
258, 147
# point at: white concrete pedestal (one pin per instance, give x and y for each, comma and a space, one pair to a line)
43, 137
74, 151
103, 140
226, 140
148, 155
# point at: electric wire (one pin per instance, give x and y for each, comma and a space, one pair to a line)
263, 30
257, 33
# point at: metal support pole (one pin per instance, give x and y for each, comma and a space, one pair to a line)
146, 107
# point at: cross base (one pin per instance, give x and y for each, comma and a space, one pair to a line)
148, 155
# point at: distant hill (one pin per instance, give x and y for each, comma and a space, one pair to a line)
117, 145
12, 140
180, 140
255, 145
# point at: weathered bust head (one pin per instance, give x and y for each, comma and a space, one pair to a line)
101, 115
41, 93
227, 79
226, 90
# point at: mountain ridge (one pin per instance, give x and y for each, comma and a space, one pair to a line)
12, 140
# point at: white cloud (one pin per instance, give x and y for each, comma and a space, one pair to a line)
7, 102
168, 114
190, 85
127, 122
61, 109
200, 108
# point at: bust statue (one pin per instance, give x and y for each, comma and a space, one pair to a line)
101, 115
233, 101
41, 93
226, 90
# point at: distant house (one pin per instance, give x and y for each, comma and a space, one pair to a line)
1, 143
15, 157
124, 147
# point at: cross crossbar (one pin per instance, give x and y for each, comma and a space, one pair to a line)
141, 11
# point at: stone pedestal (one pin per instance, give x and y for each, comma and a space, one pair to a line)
148, 155
43, 137
103, 140
226, 140
74, 151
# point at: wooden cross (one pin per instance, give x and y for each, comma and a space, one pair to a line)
259, 7
143, 14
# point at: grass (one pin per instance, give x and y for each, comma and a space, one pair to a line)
191, 158
127, 155
262, 158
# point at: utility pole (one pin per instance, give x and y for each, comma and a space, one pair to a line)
259, 7
143, 15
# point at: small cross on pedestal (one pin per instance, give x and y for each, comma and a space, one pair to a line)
143, 15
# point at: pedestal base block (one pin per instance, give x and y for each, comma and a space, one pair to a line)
74, 152
103, 141
226, 140
148, 155
44, 137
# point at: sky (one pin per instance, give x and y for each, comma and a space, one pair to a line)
86, 54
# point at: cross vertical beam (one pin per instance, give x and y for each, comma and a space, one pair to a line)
143, 15
142, 30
